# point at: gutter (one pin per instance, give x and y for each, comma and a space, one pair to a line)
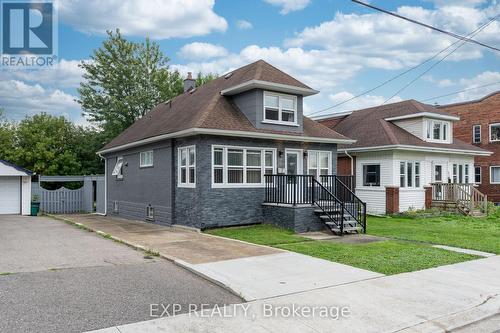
209, 131
422, 149
105, 184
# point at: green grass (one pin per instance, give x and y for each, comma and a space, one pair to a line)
481, 234
263, 234
386, 257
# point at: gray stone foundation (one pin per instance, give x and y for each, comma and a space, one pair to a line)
300, 218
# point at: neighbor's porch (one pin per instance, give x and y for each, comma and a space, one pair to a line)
464, 198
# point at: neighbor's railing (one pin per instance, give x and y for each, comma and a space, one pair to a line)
466, 196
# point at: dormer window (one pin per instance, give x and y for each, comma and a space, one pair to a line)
280, 109
438, 131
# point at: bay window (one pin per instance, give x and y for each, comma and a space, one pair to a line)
280, 108
186, 166
237, 166
318, 163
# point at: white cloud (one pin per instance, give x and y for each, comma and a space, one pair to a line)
464, 3
488, 78
443, 83
65, 74
288, 6
362, 102
244, 25
200, 51
380, 41
20, 99
158, 19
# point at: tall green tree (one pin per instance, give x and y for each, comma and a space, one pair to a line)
123, 80
7, 132
201, 79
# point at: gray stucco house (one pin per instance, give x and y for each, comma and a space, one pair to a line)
204, 158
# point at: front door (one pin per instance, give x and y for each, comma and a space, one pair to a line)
293, 162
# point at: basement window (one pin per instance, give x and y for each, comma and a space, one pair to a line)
150, 213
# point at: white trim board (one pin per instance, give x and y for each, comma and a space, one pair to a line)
418, 148
259, 84
424, 114
209, 131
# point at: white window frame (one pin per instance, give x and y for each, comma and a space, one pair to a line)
225, 166
280, 109
150, 213
363, 175
188, 166
142, 159
474, 127
442, 173
444, 135
118, 173
464, 175
491, 174
490, 126
414, 175
318, 168
480, 174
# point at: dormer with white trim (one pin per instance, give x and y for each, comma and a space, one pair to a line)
427, 126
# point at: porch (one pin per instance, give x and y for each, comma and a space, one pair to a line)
330, 198
464, 198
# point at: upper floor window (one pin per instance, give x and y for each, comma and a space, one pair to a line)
477, 175
146, 159
280, 109
495, 132
476, 133
238, 166
117, 170
187, 167
438, 130
371, 175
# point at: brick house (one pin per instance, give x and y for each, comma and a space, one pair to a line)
480, 125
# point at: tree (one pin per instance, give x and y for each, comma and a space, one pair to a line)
201, 79
6, 137
44, 145
123, 80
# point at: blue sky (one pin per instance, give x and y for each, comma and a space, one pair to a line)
335, 46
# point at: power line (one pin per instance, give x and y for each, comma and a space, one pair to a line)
475, 32
464, 38
460, 91
398, 75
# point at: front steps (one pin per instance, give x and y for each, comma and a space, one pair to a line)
350, 224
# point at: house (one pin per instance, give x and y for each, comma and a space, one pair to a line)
480, 125
15, 189
402, 148
205, 158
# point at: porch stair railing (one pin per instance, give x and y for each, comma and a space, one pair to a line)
465, 197
337, 205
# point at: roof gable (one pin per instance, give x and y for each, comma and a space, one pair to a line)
10, 169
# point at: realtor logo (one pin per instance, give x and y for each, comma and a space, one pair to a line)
29, 33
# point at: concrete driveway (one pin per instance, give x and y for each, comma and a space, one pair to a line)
58, 278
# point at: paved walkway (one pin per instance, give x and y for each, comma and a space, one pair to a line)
250, 271
440, 299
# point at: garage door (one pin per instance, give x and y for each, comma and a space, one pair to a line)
10, 195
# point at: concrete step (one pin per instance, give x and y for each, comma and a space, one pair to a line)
347, 229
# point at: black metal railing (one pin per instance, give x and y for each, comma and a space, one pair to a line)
330, 191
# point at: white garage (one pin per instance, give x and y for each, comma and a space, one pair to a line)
15, 189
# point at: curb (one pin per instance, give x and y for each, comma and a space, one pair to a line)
178, 262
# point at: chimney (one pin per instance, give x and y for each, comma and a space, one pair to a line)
189, 83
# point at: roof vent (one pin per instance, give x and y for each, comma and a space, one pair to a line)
228, 75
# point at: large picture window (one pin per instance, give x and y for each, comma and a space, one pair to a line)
318, 163
280, 109
371, 175
241, 166
187, 167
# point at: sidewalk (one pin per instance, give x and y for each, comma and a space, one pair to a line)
250, 271
440, 299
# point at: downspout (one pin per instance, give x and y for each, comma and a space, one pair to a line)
105, 184
352, 161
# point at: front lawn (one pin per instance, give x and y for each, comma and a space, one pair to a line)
386, 257
481, 234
